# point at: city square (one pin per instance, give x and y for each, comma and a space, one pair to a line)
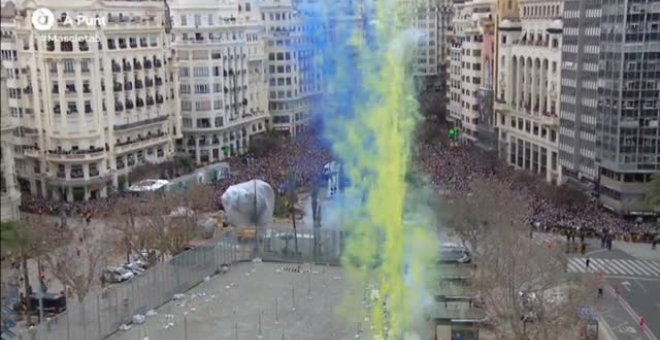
317, 169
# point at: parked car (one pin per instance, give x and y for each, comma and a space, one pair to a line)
135, 267
52, 303
116, 275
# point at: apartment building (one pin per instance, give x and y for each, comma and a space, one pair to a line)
528, 91
610, 100
220, 57
94, 98
9, 194
470, 66
431, 18
293, 72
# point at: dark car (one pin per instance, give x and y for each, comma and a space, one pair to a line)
52, 303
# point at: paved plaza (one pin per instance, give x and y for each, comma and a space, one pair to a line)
229, 306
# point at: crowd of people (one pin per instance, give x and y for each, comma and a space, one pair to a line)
455, 168
452, 169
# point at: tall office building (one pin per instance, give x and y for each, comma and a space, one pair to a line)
9, 194
220, 57
470, 66
95, 98
610, 102
527, 98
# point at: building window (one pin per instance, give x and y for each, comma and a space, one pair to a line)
184, 20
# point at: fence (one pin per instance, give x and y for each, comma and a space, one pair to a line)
100, 314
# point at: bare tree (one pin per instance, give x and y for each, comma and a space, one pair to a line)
524, 288
522, 285
472, 216
568, 198
78, 266
31, 238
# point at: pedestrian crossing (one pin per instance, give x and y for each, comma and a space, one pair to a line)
618, 267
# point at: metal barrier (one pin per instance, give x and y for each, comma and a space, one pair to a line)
100, 314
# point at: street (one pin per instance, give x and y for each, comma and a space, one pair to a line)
632, 274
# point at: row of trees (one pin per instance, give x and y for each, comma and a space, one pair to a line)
163, 223
523, 285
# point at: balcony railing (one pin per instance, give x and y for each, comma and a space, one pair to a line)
140, 123
140, 142
76, 154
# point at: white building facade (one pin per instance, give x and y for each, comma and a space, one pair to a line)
220, 57
528, 93
468, 72
98, 97
9, 194
294, 78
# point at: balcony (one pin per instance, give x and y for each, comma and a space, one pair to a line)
139, 102
119, 107
144, 142
76, 155
158, 63
78, 178
128, 86
31, 151
159, 81
159, 99
116, 67
138, 84
138, 66
129, 104
127, 67
147, 64
141, 123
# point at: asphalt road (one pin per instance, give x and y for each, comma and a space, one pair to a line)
634, 271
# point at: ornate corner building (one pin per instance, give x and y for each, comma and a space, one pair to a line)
527, 94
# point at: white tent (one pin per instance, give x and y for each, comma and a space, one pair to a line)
149, 185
